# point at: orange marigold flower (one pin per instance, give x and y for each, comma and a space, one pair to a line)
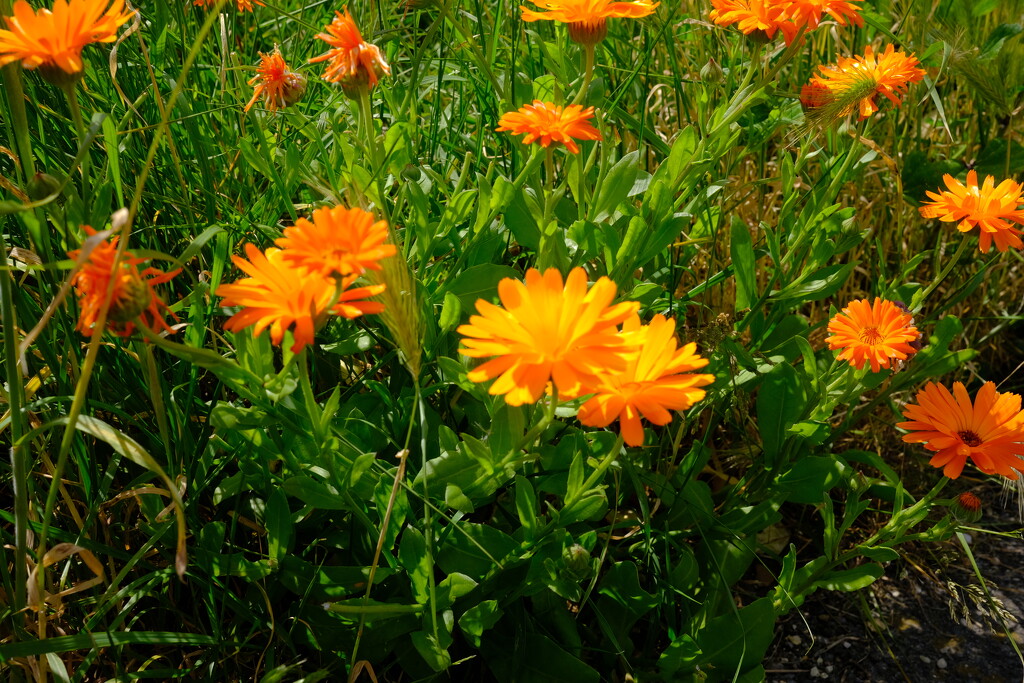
873, 333
813, 96
759, 19
587, 19
545, 331
276, 83
133, 296
994, 209
856, 81
337, 242
989, 432
243, 5
549, 123
283, 297
810, 12
658, 378
352, 62
52, 40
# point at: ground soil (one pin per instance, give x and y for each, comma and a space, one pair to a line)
924, 620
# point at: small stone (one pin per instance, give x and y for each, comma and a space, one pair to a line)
941, 663
795, 640
814, 672
819, 661
847, 644
926, 660
829, 668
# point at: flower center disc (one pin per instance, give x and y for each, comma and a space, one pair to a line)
969, 438
870, 335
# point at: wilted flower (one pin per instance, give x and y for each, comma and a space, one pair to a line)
992, 208
872, 333
658, 378
352, 62
587, 19
276, 83
989, 432
550, 123
52, 40
132, 293
544, 331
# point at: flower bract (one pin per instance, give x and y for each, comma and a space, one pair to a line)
545, 331
337, 242
994, 209
54, 39
658, 378
276, 83
351, 61
855, 82
550, 123
133, 294
989, 431
875, 333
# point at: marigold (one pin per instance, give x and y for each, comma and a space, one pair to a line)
546, 331
873, 333
352, 62
990, 432
243, 5
551, 123
337, 242
855, 81
52, 40
283, 297
810, 12
276, 83
760, 19
658, 378
587, 19
993, 209
133, 296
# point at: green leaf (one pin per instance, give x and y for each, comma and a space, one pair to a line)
780, 401
433, 654
474, 549
616, 186
742, 249
313, 493
736, 641
412, 554
821, 284
457, 500
847, 580
526, 506
451, 312
810, 479
277, 518
478, 619
479, 282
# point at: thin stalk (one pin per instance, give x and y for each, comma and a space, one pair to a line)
946, 270
71, 92
589, 51
376, 157
596, 475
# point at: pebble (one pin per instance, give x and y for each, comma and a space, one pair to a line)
847, 644
795, 640
941, 663
926, 660
814, 672
829, 668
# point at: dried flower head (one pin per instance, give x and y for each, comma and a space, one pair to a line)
352, 62
52, 40
546, 331
855, 82
587, 19
550, 123
989, 431
133, 296
276, 83
992, 208
658, 378
283, 297
338, 242
874, 333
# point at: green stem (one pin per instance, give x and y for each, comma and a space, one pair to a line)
596, 475
588, 72
376, 157
71, 92
945, 272
542, 424
903, 520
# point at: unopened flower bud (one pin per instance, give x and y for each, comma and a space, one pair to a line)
712, 72
41, 186
966, 508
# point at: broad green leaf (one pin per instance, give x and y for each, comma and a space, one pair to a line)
412, 553
780, 401
851, 579
478, 619
742, 249
810, 478
736, 641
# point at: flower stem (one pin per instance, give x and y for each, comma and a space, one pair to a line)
596, 475
71, 92
942, 275
588, 72
376, 157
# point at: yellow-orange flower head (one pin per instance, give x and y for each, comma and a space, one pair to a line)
658, 377
587, 19
874, 333
338, 242
52, 40
989, 432
276, 83
855, 82
243, 5
133, 296
550, 123
544, 331
759, 19
809, 13
992, 208
282, 297
352, 62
